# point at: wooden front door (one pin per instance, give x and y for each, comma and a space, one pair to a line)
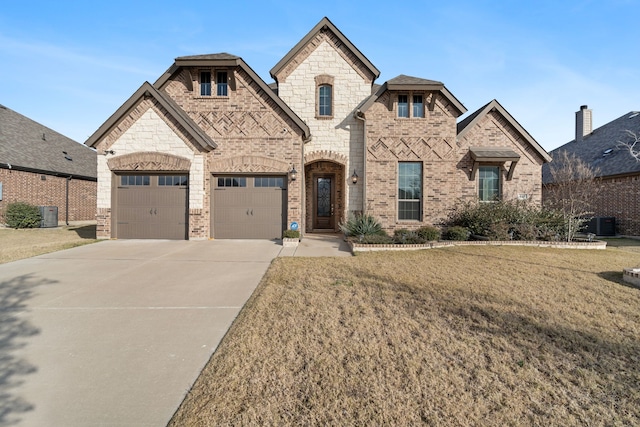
324, 198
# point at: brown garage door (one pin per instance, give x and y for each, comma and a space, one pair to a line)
249, 207
151, 206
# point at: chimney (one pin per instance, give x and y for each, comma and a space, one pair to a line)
583, 123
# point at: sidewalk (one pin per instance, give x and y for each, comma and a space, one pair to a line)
319, 245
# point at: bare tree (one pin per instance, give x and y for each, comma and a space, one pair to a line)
572, 191
633, 145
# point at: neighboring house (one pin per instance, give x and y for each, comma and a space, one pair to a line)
41, 167
619, 171
211, 151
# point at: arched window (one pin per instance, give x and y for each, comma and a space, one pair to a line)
324, 100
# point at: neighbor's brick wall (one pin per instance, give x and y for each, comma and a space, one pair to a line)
20, 186
620, 198
343, 133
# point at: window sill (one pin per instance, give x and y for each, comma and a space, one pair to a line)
324, 117
210, 97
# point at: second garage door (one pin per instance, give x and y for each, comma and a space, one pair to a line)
249, 207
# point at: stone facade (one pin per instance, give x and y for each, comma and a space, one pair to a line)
49, 190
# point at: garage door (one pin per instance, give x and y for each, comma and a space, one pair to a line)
249, 207
151, 206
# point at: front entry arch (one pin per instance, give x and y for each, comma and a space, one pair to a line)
324, 194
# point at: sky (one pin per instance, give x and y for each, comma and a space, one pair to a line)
71, 64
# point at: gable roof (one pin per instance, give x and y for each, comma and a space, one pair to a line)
228, 60
146, 91
324, 23
30, 146
594, 148
468, 123
403, 82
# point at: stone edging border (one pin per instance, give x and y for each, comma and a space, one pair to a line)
359, 247
631, 276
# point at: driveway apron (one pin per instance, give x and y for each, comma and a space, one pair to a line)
115, 333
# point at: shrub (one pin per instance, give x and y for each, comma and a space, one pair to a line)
376, 239
456, 233
361, 225
22, 215
291, 234
403, 236
428, 233
504, 220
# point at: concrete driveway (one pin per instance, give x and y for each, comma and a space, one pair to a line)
115, 333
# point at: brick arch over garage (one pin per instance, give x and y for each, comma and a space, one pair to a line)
149, 161
250, 164
324, 155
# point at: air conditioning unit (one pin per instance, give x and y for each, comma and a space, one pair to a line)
602, 226
48, 216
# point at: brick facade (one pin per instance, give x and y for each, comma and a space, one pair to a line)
257, 132
49, 190
618, 197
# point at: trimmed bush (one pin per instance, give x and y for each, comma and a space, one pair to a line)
22, 215
428, 233
376, 239
403, 236
291, 234
505, 220
456, 233
361, 225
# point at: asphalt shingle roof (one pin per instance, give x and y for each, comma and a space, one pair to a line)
409, 80
593, 149
27, 144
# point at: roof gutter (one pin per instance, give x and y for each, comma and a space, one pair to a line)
46, 172
359, 115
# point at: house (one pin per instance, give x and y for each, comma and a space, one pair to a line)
41, 167
619, 172
211, 151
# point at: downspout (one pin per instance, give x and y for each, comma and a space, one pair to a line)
360, 116
66, 215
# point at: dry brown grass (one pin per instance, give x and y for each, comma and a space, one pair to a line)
492, 336
25, 243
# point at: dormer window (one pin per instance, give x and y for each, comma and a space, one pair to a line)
205, 83
222, 83
410, 106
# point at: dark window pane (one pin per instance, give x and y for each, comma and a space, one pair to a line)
324, 100
403, 106
205, 83
220, 182
222, 83
161, 180
418, 106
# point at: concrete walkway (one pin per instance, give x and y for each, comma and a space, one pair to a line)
115, 333
319, 245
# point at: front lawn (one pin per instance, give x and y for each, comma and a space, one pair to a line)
464, 336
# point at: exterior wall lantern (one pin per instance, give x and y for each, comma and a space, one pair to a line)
354, 177
293, 173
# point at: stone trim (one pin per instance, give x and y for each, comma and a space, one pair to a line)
631, 276
324, 155
359, 247
249, 164
149, 161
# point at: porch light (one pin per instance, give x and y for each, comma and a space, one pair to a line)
293, 173
354, 177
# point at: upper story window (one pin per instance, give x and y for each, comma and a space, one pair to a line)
409, 190
403, 106
205, 83
418, 106
489, 183
324, 100
324, 96
410, 105
222, 83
